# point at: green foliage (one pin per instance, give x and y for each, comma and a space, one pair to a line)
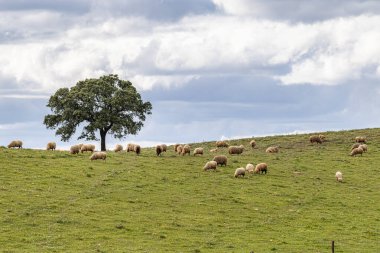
129, 203
106, 104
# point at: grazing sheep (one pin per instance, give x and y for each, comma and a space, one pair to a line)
186, 150
221, 144
210, 166
87, 147
315, 138
198, 151
239, 172
158, 150
220, 160
98, 155
75, 149
339, 176
252, 143
179, 149
51, 146
360, 139
261, 168
356, 145
213, 150
164, 147
137, 149
357, 151
131, 147
175, 147
322, 137
364, 147
250, 168
236, 150
118, 148
15, 144
272, 150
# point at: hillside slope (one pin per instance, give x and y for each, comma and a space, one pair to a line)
57, 202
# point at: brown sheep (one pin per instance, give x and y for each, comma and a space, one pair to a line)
236, 150
221, 144
261, 168
272, 150
164, 147
176, 146
357, 151
360, 139
137, 149
356, 145
158, 150
239, 172
210, 166
220, 160
315, 138
252, 143
364, 147
186, 150
322, 137
118, 148
51, 146
15, 144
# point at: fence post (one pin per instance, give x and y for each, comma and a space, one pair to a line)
332, 247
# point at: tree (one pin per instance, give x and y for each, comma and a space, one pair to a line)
106, 104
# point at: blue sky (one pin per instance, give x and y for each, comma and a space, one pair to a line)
213, 69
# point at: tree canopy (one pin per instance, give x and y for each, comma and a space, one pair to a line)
107, 104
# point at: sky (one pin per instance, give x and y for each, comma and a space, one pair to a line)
212, 69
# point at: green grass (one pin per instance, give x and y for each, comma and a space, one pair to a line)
57, 202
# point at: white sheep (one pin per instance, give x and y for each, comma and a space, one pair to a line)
239, 172
357, 151
87, 147
364, 147
250, 168
118, 148
15, 144
210, 166
339, 176
198, 151
98, 156
75, 149
236, 150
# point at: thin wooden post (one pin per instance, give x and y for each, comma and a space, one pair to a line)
332, 247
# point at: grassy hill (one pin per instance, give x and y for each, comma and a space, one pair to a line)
57, 202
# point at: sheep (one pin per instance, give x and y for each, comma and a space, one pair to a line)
356, 145
51, 146
322, 137
239, 172
236, 150
118, 148
339, 176
164, 147
15, 144
137, 149
220, 160
360, 139
75, 149
315, 138
210, 166
159, 150
221, 144
176, 146
87, 147
250, 168
213, 150
179, 149
252, 143
98, 155
261, 168
272, 150
130, 147
186, 150
357, 151
364, 147
198, 151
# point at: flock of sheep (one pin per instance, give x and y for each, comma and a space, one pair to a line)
358, 148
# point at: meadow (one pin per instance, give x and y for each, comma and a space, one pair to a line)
51, 201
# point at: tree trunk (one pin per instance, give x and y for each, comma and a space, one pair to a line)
103, 140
